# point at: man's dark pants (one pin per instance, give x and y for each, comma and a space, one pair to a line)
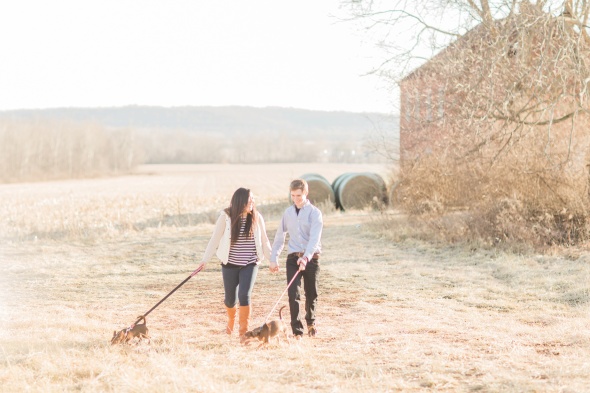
310, 286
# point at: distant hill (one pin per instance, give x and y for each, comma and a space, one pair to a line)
216, 120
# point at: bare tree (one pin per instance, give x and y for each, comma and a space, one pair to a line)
494, 96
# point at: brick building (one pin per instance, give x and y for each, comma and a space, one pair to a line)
503, 112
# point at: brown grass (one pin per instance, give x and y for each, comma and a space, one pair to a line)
399, 315
513, 203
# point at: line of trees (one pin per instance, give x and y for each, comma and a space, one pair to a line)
184, 147
32, 150
48, 149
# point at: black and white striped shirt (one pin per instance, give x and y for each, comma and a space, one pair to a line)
243, 251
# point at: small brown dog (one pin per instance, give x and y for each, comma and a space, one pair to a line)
124, 336
269, 330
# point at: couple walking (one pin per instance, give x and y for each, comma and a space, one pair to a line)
239, 240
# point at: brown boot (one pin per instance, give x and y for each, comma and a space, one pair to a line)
245, 312
231, 319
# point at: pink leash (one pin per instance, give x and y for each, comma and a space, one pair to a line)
276, 304
197, 270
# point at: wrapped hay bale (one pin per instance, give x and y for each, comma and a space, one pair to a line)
335, 186
359, 190
320, 189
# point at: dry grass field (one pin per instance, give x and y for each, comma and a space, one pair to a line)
80, 259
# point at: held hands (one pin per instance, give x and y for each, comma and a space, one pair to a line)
302, 262
203, 264
274, 267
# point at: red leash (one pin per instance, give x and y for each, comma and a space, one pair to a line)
275, 306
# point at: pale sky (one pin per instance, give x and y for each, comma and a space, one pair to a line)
89, 53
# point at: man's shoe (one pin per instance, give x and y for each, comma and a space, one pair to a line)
311, 331
298, 337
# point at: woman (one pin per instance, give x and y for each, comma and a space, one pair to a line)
241, 243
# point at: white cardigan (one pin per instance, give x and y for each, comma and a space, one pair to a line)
221, 239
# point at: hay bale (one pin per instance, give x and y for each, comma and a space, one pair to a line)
359, 190
395, 198
320, 189
336, 187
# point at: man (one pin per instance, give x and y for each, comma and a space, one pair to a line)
303, 222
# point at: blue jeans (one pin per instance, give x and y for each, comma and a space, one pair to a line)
238, 282
310, 286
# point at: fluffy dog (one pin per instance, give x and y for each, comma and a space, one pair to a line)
269, 330
124, 336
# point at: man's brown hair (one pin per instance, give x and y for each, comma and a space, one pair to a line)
299, 184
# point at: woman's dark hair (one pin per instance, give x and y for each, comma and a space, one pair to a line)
238, 203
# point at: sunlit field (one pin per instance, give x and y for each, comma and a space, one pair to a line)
82, 258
